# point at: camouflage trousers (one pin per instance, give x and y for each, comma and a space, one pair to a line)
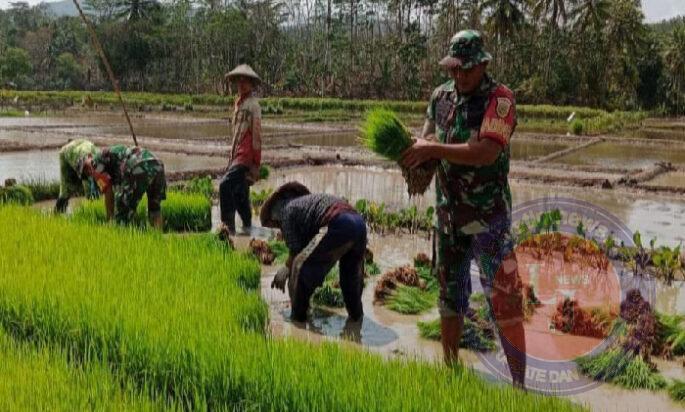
493, 252
146, 177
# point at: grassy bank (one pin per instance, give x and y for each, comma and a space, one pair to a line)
182, 319
543, 118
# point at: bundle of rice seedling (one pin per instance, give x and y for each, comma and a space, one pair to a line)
390, 281
478, 334
262, 251
16, 194
384, 134
677, 391
571, 318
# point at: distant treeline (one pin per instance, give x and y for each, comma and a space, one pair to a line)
597, 53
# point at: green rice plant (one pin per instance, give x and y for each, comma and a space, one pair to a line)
185, 322
11, 113
677, 391
42, 189
472, 338
410, 300
384, 134
264, 172
671, 333
35, 377
257, 198
577, 127
329, 294
17, 194
201, 185
621, 368
280, 250
182, 212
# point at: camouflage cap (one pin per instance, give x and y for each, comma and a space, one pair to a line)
466, 51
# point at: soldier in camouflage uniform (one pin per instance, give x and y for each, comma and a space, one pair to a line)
132, 172
71, 180
469, 122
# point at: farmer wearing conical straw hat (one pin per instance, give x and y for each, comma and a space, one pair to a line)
71, 180
319, 230
246, 151
469, 122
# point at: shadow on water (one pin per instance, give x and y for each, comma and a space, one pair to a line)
328, 323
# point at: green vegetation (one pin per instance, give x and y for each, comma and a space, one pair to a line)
381, 220
35, 377
671, 333
677, 391
42, 189
11, 113
264, 172
181, 211
184, 321
17, 194
199, 185
473, 336
384, 134
410, 300
624, 369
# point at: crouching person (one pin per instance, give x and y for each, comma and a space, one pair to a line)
319, 231
124, 174
71, 180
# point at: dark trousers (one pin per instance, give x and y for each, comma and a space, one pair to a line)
234, 195
345, 241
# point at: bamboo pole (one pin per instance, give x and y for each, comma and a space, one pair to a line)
110, 73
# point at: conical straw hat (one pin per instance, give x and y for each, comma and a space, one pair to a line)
243, 70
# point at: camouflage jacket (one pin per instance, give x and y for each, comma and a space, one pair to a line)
470, 199
121, 161
69, 155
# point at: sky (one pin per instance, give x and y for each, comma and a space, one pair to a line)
655, 10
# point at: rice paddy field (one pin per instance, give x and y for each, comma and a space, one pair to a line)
103, 317
181, 320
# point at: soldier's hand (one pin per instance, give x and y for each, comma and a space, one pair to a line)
419, 153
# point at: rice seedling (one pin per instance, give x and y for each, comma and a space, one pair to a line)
185, 322
16, 194
410, 301
571, 318
257, 198
677, 391
384, 134
35, 377
671, 334
182, 212
474, 336
621, 368
264, 172
627, 363
329, 294
279, 248
42, 189
407, 290
261, 250
200, 185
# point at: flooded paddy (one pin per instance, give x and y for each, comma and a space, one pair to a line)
44, 164
524, 149
612, 154
663, 218
670, 179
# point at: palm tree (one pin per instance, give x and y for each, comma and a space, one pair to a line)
590, 13
504, 19
133, 10
675, 61
555, 10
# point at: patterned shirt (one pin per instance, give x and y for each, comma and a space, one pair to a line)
70, 181
472, 197
246, 145
304, 216
115, 161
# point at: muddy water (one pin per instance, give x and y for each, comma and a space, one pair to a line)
622, 155
672, 179
393, 335
44, 164
663, 218
531, 149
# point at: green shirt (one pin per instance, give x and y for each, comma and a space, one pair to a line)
69, 155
